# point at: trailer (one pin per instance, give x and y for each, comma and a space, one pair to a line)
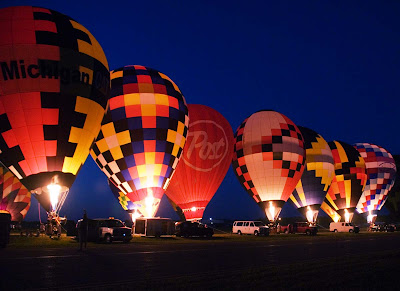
154, 226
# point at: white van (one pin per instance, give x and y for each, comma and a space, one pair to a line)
343, 227
250, 227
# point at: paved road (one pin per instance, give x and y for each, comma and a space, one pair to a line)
212, 264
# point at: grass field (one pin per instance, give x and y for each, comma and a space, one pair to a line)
17, 241
377, 269
374, 271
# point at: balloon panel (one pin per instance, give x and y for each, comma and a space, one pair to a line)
350, 176
143, 133
14, 197
123, 200
330, 211
381, 172
206, 158
54, 86
393, 203
318, 172
141, 207
393, 198
268, 156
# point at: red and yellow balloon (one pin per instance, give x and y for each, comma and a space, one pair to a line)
54, 87
15, 199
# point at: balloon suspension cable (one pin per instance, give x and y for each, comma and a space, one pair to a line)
40, 219
62, 200
1, 163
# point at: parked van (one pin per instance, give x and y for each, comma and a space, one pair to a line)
343, 227
250, 227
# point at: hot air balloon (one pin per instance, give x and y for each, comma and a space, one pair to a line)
269, 159
349, 180
15, 199
130, 207
330, 211
54, 87
393, 198
206, 159
381, 173
142, 135
317, 176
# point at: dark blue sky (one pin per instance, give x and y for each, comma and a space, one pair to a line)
332, 66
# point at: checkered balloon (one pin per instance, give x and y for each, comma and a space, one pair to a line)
268, 159
317, 177
381, 173
143, 133
54, 87
349, 180
14, 197
393, 198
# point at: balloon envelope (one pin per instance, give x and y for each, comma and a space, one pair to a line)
311, 190
14, 197
268, 159
54, 87
381, 173
393, 198
142, 135
330, 211
349, 180
206, 159
131, 207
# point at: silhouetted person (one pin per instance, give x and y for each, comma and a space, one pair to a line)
5, 222
83, 230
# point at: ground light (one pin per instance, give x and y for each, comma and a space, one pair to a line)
311, 214
135, 214
371, 217
336, 218
54, 193
346, 216
149, 201
270, 211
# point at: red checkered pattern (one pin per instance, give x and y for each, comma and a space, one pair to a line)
269, 156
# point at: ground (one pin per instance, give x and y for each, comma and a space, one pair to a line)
328, 260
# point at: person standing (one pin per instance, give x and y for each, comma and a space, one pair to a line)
83, 230
5, 223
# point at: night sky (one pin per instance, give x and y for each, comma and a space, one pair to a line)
332, 66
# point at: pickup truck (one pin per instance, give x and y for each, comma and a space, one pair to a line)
298, 227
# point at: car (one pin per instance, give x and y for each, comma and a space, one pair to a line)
343, 227
191, 228
299, 227
250, 227
108, 230
382, 227
389, 228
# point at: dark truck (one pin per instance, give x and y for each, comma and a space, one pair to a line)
107, 230
299, 227
189, 228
